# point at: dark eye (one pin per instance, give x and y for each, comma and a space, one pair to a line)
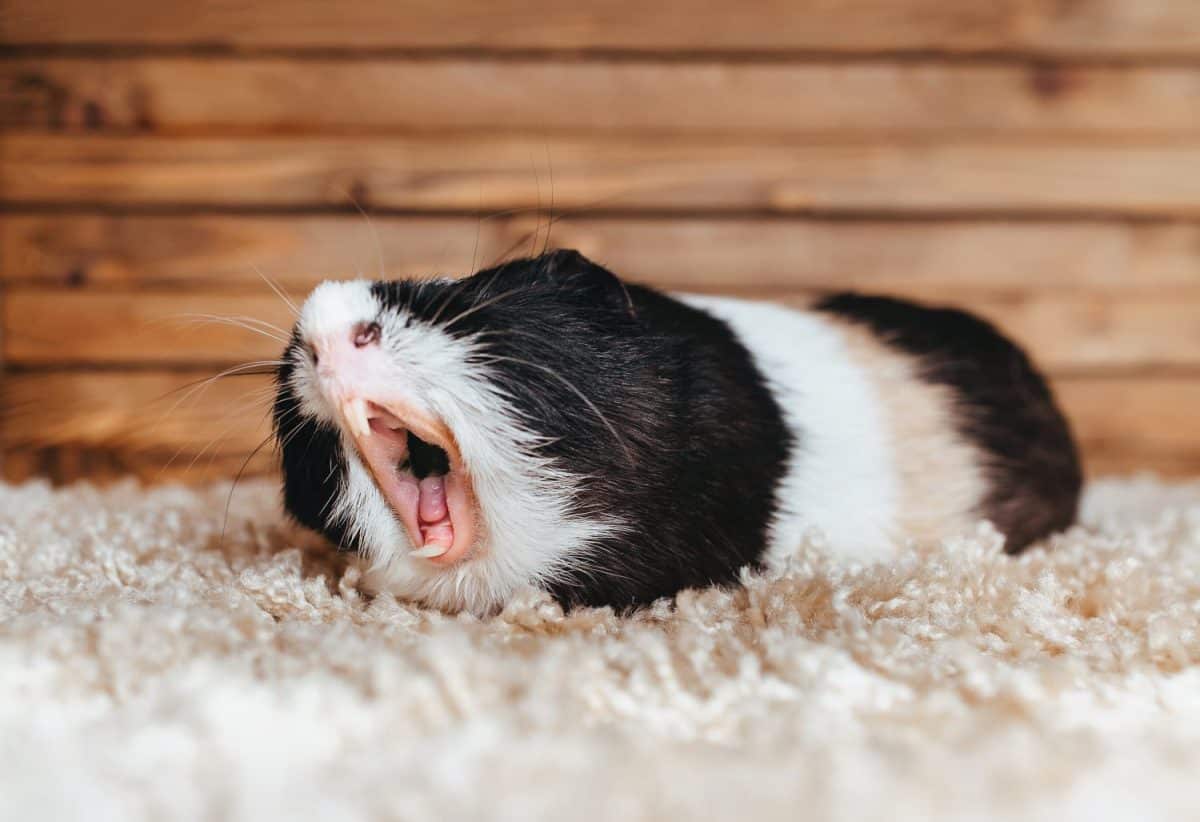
312, 352
367, 334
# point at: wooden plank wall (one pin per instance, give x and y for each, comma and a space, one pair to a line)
1036, 160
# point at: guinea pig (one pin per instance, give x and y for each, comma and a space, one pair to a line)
544, 423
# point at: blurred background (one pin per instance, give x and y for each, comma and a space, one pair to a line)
1037, 161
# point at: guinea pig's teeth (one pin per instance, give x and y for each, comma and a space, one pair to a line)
355, 412
430, 551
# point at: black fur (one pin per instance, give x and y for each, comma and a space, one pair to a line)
670, 427
678, 438
693, 438
313, 464
1005, 407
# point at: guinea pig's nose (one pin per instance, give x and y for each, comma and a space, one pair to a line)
365, 334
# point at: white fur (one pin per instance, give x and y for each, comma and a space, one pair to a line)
841, 482
336, 306
526, 532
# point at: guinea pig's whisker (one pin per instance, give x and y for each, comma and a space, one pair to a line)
591, 405
251, 324
279, 292
452, 292
257, 368
259, 398
198, 387
292, 434
237, 478
374, 233
485, 304
506, 332
537, 181
329, 502
219, 438
551, 221
292, 415
508, 251
240, 320
586, 208
550, 210
289, 416
333, 466
193, 390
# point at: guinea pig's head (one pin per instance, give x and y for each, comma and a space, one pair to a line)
460, 435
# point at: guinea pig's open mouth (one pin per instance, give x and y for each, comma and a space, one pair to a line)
418, 468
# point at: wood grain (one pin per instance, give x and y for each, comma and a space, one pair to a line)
192, 95
1066, 333
1090, 27
1138, 424
145, 423
105, 328
1035, 160
103, 465
494, 172
157, 426
137, 410
769, 255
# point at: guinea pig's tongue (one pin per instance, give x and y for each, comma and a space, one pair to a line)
437, 530
433, 500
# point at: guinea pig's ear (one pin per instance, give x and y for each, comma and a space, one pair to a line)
571, 269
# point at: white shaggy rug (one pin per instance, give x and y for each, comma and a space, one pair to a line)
148, 672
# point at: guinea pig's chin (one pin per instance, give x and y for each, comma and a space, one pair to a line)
439, 512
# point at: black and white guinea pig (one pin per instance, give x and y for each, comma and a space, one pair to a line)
543, 422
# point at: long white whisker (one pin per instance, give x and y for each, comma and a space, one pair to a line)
279, 292
205, 384
220, 437
297, 427
195, 390
247, 403
250, 324
599, 415
240, 318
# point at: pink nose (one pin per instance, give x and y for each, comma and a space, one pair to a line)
366, 334
341, 354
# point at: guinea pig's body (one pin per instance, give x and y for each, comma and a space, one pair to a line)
543, 423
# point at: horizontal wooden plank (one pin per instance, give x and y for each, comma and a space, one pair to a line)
492, 172
166, 94
1064, 332
106, 464
1082, 26
84, 424
157, 426
1135, 424
137, 410
226, 253
127, 328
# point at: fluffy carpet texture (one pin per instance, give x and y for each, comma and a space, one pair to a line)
151, 670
